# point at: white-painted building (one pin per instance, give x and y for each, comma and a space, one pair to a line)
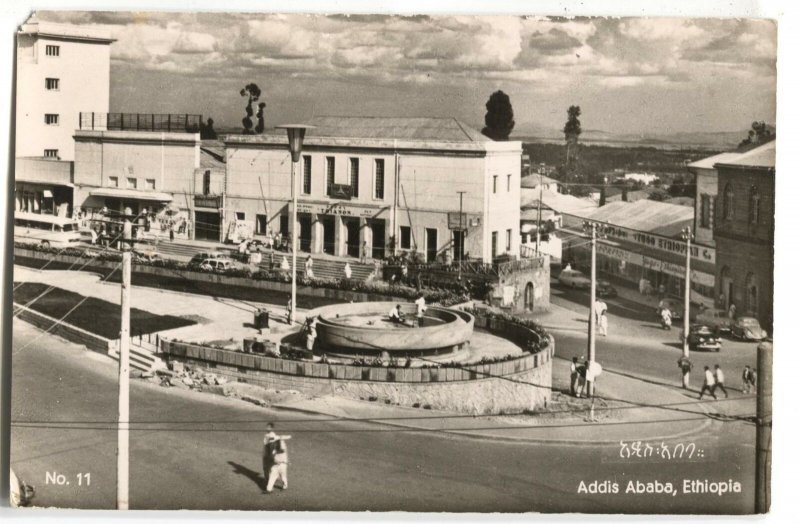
402, 175
644, 178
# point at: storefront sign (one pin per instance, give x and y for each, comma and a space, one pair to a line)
698, 277
337, 209
341, 191
619, 254
702, 253
651, 263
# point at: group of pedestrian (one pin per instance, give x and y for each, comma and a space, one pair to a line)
748, 380
396, 315
275, 459
713, 380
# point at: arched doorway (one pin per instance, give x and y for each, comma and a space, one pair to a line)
751, 297
529, 297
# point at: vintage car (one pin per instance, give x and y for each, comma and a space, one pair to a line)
702, 336
575, 279
747, 328
605, 289
715, 318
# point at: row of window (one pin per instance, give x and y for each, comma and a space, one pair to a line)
708, 203
51, 119
508, 183
52, 50
132, 183
495, 239
52, 84
353, 176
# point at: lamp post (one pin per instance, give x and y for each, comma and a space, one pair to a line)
686, 234
596, 231
296, 133
460, 231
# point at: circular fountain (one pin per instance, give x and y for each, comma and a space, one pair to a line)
364, 328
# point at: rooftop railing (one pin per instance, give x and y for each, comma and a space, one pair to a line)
172, 123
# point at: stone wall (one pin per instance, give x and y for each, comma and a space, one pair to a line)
513, 385
531, 274
63, 330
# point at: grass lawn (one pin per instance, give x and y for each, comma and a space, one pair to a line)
94, 315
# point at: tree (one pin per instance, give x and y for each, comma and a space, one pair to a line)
572, 130
260, 117
759, 133
252, 92
602, 196
207, 130
499, 117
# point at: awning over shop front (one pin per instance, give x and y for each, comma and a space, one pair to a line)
131, 194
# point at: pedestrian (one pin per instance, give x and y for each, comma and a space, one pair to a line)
719, 381
573, 376
666, 318
266, 457
581, 378
278, 452
364, 252
396, 315
421, 308
309, 267
708, 383
289, 311
685, 366
753, 380
311, 334
348, 271
746, 380
600, 309
732, 312
171, 234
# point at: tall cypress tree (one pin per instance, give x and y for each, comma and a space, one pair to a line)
499, 117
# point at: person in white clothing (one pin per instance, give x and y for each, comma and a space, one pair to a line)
708, 383
421, 307
719, 381
276, 454
348, 271
600, 309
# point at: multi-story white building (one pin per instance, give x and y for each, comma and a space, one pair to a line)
401, 179
62, 70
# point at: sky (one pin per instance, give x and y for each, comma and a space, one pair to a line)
641, 76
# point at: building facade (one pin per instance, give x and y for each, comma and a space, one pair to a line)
706, 196
744, 232
379, 186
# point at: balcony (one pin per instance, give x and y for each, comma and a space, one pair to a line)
171, 123
208, 201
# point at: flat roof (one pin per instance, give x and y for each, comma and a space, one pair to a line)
647, 216
709, 162
762, 156
68, 31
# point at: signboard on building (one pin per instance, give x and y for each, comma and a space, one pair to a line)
338, 209
341, 191
457, 221
677, 247
619, 254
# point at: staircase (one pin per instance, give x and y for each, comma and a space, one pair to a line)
142, 357
326, 267
184, 251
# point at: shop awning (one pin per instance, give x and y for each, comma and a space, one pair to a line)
131, 194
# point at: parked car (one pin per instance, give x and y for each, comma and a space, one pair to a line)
674, 305
217, 265
199, 258
605, 289
574, 279
747, 328
716, 318
702, 336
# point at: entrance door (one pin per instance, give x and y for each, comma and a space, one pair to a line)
305, 232
352, 226
431, 244
329, 235
206, 226
378, 238
529, 296
458, 246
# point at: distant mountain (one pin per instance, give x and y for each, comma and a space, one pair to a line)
706, 139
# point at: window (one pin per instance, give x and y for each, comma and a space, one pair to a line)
150, 183
51, 119
330, 174
354, 176
51, 153
307, 174
240, 215
379, 178
494, 244
261, 224
113, 181
705, 211
51, 84
131, 183
405, 237
508, 183
207, 182
494, 184
755, 205
52, 50
727, 203
508, 240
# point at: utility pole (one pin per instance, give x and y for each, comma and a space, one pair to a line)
687, 236
592, 299
460, 231
539, 216
124, 370
764, 428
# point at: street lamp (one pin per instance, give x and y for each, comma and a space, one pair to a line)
686, 234
596, 231
296, 133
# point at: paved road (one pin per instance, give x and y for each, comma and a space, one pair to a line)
208, 455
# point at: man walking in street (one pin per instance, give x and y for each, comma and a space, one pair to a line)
746, 380
719, 381
573, 376
600, 317
708, 384
276, 454
685, 366
266, 459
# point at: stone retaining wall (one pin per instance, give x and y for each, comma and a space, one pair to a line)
63, 330
514, 385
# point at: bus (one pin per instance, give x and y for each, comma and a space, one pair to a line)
47, 230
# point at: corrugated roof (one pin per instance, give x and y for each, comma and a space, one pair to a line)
708, 163
395, 128
648, 216
558, 202
533, 180
762, 156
